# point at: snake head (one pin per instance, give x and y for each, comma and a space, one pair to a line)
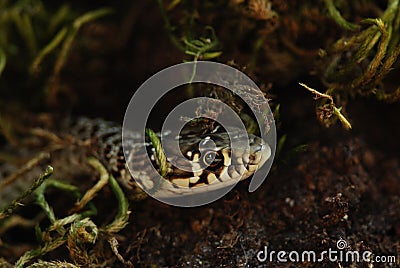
212, 160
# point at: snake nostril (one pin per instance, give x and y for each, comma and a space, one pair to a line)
258, 148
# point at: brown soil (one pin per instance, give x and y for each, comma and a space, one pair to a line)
344, 186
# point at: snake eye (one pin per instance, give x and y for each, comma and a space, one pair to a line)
211, 158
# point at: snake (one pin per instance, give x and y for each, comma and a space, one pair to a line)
103, 139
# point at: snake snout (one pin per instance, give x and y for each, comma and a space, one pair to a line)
259, 151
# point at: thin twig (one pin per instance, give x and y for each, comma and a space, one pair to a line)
17, 202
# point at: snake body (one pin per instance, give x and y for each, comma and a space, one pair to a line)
103, 139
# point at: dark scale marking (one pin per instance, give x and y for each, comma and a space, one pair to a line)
197, 184
107, 150
231, 171
96, 128
252, 158
203, 176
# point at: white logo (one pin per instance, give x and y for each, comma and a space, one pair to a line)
341, 244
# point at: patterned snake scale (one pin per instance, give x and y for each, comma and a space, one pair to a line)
103, 139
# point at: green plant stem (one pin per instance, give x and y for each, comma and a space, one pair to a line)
17, 202
335, 14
